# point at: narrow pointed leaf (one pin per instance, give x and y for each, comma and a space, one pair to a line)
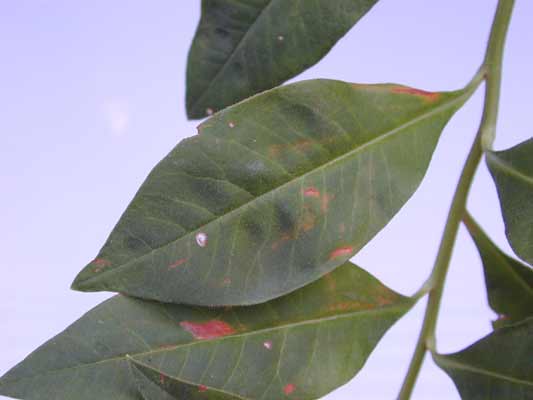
244, 47
302, 345
272, 194
156, 385
509, 282
512, 171
496, 367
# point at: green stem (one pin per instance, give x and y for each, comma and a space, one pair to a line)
492, 70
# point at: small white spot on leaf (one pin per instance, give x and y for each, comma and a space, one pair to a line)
201, 239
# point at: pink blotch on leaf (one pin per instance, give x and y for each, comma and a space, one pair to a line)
268, 345
202, 388
208, 330
289, 388
162, 379
431, 96
341, 252
312, 192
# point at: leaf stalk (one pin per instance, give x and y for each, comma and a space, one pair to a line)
491, 71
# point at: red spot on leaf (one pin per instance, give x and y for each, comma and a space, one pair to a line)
431, 96
312, 192
284, 238
341, 252
162, 379
289, 388
202, 388
177, 263
208, 330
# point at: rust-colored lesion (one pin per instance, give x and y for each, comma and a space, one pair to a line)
211, 329
350, 306
429, 96
344, 251
177, 263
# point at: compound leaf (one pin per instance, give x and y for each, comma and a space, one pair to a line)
512, 171
272, 194
509, 282
496, 367
302, 345
244, 47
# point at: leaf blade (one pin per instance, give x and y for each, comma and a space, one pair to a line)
338, 320
509, 283
279, 174
512, 171
241, 49
496, 367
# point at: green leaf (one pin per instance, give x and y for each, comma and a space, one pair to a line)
155, 385
273, 193
244, 47
512, 171
509, 282
301, 346
496, 367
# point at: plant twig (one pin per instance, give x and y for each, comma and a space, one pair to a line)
491, 69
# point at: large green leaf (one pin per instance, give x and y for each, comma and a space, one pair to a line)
512, 171
509, 282
243, 47
273, 193
304, 344
497, 367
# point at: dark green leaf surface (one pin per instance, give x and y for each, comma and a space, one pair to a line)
509, 282
300, 346
243, 47
495, 368
155, 385
512, 171
272, 194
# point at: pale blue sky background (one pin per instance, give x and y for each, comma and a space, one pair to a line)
92, 96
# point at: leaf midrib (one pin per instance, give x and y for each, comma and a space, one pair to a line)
378, 139
403, 304
231, 55
445, 361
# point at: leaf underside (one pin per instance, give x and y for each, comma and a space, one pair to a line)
302, 345
273, 193
509, 282
496, 367
512, 171
245, 47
